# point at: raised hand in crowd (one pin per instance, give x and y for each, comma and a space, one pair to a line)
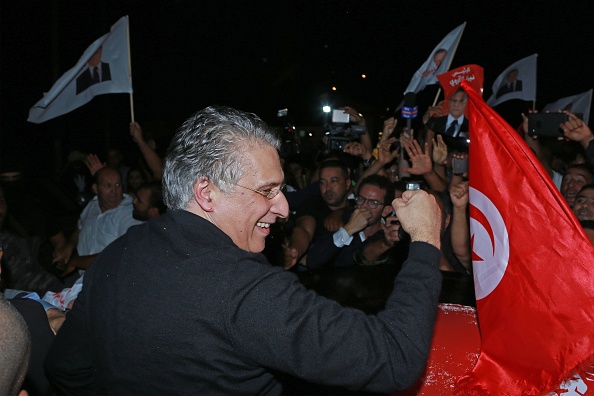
385, 156
577, 130
154, 162
420, 160
423, 165
93, 163
389, 126
358, 150
460, 235
440, 151
356, 117
435, 111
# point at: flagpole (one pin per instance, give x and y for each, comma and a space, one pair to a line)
589, 106
450, 61
130, 68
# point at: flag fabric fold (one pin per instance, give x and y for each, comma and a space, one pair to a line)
518, 81
576, 104
103, 68
438, 62
533, 266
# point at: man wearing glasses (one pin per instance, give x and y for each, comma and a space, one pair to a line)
338, 249
186, 303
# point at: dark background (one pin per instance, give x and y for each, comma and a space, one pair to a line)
263, 56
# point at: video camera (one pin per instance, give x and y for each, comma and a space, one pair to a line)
340, 132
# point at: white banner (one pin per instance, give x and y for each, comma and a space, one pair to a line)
438, 62
518, 81
576, 104
102, 69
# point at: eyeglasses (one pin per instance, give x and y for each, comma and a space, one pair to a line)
269, 194
372, 203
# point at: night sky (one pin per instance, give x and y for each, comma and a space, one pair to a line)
263, 56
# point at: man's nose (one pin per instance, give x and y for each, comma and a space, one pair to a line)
280, 206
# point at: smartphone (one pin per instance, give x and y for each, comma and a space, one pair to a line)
546, 124
460, 165
340, 117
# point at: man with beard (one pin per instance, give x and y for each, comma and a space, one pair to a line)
148, 202
335, 183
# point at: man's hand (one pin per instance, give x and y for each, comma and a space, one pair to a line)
385, 156
391, 230
93, 163
357, 149
577, 130
291, 255
420, 216
389, 126
136, 132
459, 195
354, 115
358, 221
420, 160
333, 221
440, 151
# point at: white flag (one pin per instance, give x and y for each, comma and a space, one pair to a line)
518, 81
103, 68
576, 104
438, 62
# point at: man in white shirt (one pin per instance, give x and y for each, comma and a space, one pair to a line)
106, 217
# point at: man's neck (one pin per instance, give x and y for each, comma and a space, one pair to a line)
342, 205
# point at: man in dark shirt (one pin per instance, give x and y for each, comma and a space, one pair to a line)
335, 184
338, 249
186, 303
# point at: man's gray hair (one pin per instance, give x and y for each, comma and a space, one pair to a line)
15, 347
211, 144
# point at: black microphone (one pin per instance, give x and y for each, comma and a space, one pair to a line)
409, 109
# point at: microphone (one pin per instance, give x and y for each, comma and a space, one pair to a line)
409, 109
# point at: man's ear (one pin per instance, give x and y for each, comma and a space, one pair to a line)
387, 210
203, 189
94, 187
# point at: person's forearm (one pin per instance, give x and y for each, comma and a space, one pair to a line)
152, 159
300, 240
434, 181
460, 237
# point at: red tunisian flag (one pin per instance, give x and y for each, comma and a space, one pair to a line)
533, 267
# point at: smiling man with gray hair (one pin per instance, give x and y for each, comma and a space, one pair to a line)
187, 304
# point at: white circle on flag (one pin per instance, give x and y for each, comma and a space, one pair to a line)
490, 245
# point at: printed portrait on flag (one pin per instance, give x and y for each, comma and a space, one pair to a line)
97, 71
102, 69
517, 81
438, 61
511, 83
